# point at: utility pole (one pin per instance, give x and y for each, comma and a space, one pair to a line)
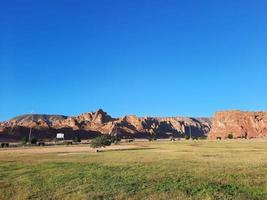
30, 134
190, 132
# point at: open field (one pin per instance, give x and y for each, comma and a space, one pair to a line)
141, 170
67, 149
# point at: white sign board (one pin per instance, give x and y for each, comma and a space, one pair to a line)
60, 135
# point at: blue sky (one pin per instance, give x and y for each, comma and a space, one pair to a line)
150, 58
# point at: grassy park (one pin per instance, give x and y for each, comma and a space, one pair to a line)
234, 169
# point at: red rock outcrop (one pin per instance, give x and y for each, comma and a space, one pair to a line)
99, 122
239, 124
88, 125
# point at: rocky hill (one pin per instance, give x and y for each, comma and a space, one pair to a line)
89, 125
239, 125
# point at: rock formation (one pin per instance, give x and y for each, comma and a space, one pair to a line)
89, 125
239, 125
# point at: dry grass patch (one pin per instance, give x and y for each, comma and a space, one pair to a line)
161, 170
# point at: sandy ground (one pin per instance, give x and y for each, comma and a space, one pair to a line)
67, 149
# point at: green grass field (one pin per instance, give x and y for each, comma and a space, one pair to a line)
163, 170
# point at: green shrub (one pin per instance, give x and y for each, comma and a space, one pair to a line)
230, 136
4, 144
187, 137
24, 140
130, 140
100, 141
33, 141
115, 139
152, 138
77, 139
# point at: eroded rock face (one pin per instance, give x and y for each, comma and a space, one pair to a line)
99, 122
98, 117
239, 124
88, 125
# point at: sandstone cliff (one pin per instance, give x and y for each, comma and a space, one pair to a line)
89, 125
239, 124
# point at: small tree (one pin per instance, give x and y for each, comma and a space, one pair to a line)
33, 141
115, 139
100, 141
4, 144
24, 140
187, 137
152, 137
195, 138
76, 139
230, 136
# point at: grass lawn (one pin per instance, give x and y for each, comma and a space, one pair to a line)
162, 170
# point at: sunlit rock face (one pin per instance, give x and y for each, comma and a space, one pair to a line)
94, 123
88, 125
239, 124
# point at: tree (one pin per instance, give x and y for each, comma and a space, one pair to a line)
152, 137
115, 139
187, 137
24, 140
100, 141
230, 136
76, 139
33, 141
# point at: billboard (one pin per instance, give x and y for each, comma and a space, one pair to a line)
60, 136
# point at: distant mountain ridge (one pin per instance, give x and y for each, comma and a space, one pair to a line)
88, 125
36, 117
238, 124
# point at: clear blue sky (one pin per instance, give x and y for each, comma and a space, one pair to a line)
142, 57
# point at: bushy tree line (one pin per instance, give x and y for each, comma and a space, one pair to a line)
103, 141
